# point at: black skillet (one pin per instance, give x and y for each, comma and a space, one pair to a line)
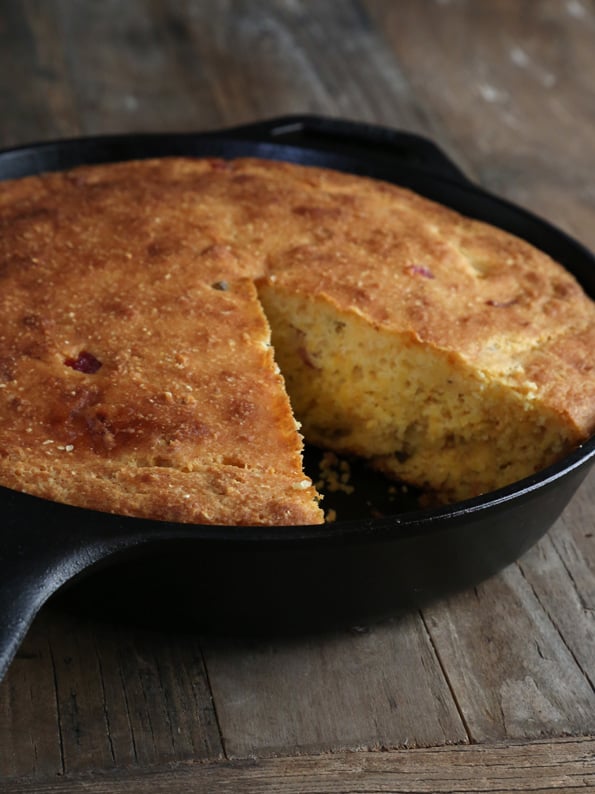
383, 552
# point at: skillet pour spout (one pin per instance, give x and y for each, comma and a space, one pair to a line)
271, 579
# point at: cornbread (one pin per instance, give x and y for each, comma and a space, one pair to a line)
135, 362
136, 372
454, 356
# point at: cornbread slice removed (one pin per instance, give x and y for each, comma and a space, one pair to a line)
136, 371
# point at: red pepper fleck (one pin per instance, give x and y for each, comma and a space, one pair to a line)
502, 304
84, 362
421, 270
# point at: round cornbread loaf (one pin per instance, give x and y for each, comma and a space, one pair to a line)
136, 373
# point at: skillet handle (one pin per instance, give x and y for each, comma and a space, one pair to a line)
375, 143
43, 545
20, 601
25, 585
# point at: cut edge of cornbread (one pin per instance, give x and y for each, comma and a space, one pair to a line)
420, 414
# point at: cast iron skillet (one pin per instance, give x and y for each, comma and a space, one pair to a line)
383, 552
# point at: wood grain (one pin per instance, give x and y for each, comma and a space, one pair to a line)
82, 694
143, 66
561, 766
561, 573
507, 657
30, 736
29, 113
507, 90
372, 688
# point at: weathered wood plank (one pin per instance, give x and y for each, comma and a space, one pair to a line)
514, 651
561, 572
146, 65
506, 89
562, 766
34, 94
30, 742
133, 68
260, 59
86, 695
369, 688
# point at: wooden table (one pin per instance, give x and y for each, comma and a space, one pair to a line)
491, 690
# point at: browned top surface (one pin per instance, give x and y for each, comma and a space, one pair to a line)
125, 263
411, 265
186, 417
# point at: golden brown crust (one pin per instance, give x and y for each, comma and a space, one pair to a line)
148, 267
409, 265
134, 355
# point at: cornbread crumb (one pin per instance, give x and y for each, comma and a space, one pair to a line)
335, 474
